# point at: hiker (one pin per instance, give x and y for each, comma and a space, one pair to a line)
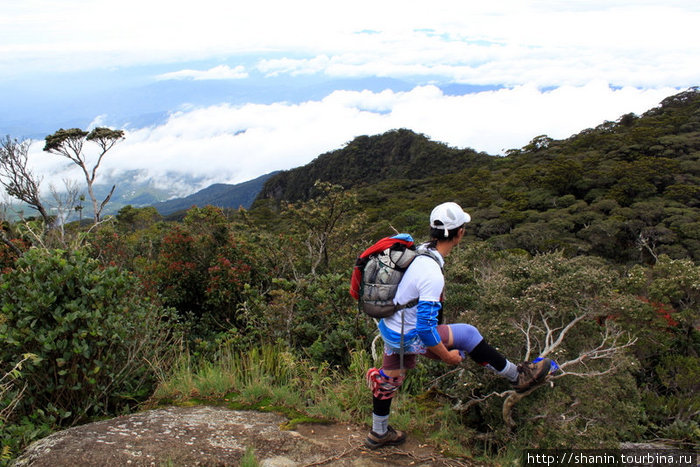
422, 335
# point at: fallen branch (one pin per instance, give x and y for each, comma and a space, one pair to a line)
613, 342
334, 458
10, 245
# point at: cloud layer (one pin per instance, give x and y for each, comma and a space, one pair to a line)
217, 72
548, 43
280, 79
231, 144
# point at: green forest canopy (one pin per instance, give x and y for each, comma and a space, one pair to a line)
627, 190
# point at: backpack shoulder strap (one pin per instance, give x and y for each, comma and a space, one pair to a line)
431, 254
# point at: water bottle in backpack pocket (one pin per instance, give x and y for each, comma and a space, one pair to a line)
380, 279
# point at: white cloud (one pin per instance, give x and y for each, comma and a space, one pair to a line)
645, 49
627, 43
278, 66
217, 72
231, 144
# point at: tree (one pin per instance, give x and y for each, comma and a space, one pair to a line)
69, 144
17, 179
538, 143
131, 219
65, 203
318, 219
567, 309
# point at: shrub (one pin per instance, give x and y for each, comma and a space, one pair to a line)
317, 316
208, 272
666, 322
508, 294
93, 330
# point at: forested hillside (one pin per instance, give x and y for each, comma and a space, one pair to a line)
368, 160
584, 250
627, 190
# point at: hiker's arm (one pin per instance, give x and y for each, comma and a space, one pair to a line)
451, 357
426, 322
426, 327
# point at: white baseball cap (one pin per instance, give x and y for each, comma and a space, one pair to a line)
448, 216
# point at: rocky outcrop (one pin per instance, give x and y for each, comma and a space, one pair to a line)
203, 435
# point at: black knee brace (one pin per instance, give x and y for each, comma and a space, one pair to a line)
381, 407
484, 354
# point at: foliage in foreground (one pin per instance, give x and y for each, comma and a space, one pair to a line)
655, 387
273, 378
627, 342
94, 335
312, 318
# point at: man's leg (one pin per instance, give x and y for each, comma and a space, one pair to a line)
384, 383
467, 338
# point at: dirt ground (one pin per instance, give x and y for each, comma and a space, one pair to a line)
216, 436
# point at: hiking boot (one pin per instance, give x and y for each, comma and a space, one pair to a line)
531, 374
390, 438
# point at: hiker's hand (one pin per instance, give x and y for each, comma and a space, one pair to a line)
453, 357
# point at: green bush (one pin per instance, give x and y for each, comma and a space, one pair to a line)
505, 294
207, 270
669, 346
317, 316
96, 336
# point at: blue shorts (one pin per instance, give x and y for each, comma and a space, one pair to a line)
464, 337
392, 358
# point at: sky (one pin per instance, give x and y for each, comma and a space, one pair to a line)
225, 91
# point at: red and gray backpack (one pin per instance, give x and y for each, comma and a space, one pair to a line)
378, 271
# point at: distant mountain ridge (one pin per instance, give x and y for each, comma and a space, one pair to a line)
365, 160
404, 154
608, 190
220, 195
131, 190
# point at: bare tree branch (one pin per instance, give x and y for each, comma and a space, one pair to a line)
17, 179
7, 383
9, 244
613, 343
39, 239
644, 242
462, 406
526, 330
609, 348
550, 342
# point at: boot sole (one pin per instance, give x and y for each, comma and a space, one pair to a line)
372, 445
537, 382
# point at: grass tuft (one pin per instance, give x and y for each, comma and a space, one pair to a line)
249, 459
270, 379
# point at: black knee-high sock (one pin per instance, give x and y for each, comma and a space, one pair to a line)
381, 407
484, 353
